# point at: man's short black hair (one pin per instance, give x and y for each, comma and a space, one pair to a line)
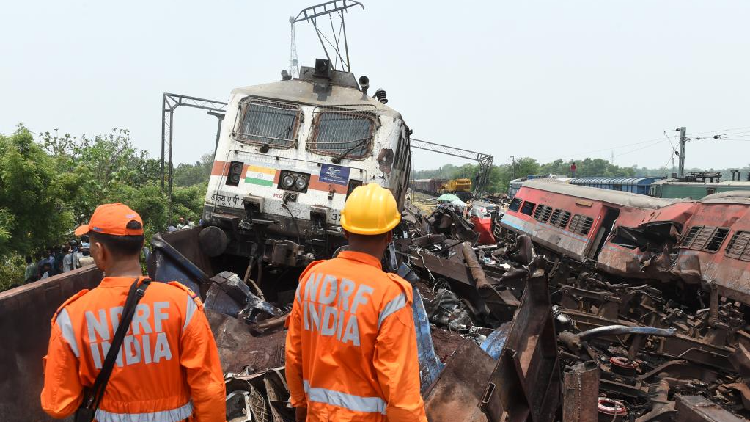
120, 245
367, 238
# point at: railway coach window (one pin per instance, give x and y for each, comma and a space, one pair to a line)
581, 224
704, 238
342, 134
269, 123
515, 204
737, 247
559, 218
542, 213
527, 207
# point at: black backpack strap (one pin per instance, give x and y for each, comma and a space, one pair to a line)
137, 290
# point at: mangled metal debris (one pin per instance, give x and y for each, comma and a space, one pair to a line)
634, 341
546, 338
260, 397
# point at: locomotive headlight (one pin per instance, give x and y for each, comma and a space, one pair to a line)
287, 181
293, 181
301, 182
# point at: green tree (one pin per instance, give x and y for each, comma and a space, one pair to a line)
148, 201
188, 201
50, 186
33, 213
194, 174
12, 268
92, 168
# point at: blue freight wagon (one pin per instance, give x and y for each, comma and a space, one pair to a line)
639, 185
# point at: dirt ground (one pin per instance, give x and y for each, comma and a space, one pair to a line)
446, 342
239, 349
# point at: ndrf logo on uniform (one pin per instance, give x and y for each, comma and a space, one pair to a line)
338, 319
139, 344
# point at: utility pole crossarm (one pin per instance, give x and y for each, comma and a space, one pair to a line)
448, 150
485, 160
323, 9
170, 102
176, 100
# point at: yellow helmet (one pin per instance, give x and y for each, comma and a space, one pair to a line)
370, 210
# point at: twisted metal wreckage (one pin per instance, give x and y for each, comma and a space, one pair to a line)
541, 334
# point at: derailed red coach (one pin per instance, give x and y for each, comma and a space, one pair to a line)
636, 236
715, 245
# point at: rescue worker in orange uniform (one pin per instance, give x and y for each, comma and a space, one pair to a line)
351, 348
168, 368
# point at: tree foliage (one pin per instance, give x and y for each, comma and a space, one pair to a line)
194, 174
33, 212
50, 185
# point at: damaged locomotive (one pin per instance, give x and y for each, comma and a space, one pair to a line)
289, 154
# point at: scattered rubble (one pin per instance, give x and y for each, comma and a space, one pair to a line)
545, 338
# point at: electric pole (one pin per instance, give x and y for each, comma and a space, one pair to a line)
683, 140
513, 166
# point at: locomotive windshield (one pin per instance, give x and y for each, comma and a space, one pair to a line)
269, 123
342, 134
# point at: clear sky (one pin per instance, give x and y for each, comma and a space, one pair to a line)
543, 79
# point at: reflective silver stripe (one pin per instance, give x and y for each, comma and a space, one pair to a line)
63, 321
190, 311
174, 415
394, 305
347, 401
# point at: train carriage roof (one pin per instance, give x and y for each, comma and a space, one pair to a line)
730, 197
625, 199
629, 181
740, 183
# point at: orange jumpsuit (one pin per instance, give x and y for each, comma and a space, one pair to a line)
351, 349
168, 368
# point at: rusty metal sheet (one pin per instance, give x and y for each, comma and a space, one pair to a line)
527, 376
458, 391
444, 268
699, 409
740, 360
580, 404
25, 314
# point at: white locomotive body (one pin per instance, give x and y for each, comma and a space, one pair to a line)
288, 155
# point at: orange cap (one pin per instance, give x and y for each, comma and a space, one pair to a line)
112, 219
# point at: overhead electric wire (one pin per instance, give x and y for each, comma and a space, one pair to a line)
671, 153
666, 165
614, 147
670, 141
737, 132
746, 128
642, 148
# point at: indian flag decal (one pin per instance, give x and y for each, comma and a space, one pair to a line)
260, 175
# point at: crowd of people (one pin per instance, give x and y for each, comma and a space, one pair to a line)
61, 259
182, 224
58, 260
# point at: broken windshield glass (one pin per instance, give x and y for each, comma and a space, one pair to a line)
269, 123
343, 134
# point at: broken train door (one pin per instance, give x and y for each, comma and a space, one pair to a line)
605, 228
